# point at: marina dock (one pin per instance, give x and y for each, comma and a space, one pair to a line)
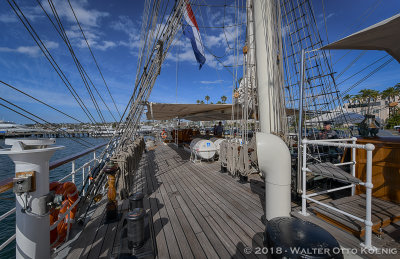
196, 211
55, 134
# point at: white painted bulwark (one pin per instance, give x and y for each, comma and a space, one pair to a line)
275, 162
32, 231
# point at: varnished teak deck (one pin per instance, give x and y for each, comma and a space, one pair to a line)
197, 212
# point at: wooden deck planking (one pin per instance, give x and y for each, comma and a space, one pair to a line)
166, 231
221, 232
226, 237
383, 213
207, 237
84, 242
196, 211
113, 235
239, 226
175, 224
243, 191
93, 251
224, 223
196, 218
224, 189
236, 196
224, 196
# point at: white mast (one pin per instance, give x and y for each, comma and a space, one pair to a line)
273, 154
269, 65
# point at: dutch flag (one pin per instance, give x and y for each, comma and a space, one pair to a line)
191, 30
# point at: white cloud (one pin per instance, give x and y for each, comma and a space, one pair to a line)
92, 35
32, 13
130, 28
89, 19
321, 15
185, 54
321, 21
32, 51
51, 44
212, 82
7, 18
106, 45
181, 50
86, 17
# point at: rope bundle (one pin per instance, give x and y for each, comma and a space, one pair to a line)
128, 159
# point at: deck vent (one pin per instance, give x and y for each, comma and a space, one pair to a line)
135, 220
136, 200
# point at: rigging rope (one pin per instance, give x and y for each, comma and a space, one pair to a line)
16, 89
76, 61
44, 125
95, 61
50, 58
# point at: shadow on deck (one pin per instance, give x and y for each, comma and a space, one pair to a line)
196, 212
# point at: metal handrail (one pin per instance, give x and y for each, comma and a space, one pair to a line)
8, 241
74, 171
6, 184
8, 213
64, 214
65, 160
368, 183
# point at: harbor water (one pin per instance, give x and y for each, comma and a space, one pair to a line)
7, 200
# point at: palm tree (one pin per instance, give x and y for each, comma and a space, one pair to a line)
219, 102
198, 101
356, 100
390, 95
207, 98
397, 86
202, 102
369, 95
347, 98
224, 98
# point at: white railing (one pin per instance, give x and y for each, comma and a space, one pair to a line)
74, 172
368, 183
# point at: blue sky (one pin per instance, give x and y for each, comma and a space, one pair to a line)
113, 28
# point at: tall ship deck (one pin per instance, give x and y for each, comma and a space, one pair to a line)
281, 168
196, 211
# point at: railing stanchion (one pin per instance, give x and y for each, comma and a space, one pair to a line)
83, 179
89, 171
368, 201
68, 218
304, 179
73, 171
353, 166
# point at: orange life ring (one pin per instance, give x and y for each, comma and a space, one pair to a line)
164, 134
70, 194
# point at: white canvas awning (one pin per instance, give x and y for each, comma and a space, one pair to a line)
384, 35
193, 112
197, 112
